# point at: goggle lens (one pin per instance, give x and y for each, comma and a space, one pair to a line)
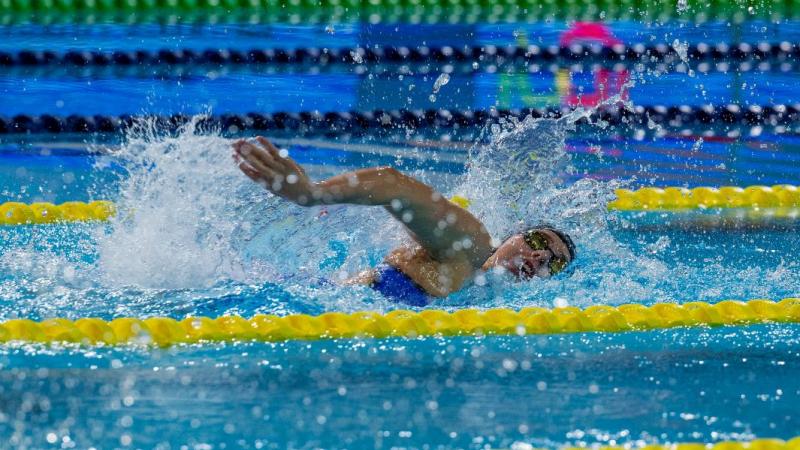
537, 241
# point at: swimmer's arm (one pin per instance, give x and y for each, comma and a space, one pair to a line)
445, 230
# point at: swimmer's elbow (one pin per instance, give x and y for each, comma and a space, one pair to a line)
403, 185
390, 174
388, 170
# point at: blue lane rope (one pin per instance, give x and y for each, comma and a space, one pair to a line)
628, 54
464, 68
667, 116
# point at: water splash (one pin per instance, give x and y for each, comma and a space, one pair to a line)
190, 221
174, 228
440, 82
517, 178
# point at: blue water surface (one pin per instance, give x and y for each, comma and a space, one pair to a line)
244, 36
618, 389
249, 90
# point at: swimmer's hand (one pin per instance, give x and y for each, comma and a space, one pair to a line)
279, 174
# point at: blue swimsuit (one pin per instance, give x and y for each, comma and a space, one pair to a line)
398, 287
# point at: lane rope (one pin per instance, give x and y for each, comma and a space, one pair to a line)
463, 68
644, 199
677, 198
17, 213
165, 331
675, 116
755, 444
628, 54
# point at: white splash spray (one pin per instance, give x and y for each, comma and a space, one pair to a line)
174, 227
515, 179
440, 82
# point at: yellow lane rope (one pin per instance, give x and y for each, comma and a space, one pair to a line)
16, 213
165, 331
755, 444
671, 198
644, 199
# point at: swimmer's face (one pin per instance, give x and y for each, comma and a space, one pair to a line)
518, 258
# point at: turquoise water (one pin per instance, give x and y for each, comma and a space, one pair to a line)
632, 388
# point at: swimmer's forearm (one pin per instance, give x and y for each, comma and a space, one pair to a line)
376, 186
435, 223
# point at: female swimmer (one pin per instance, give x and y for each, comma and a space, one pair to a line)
448, 243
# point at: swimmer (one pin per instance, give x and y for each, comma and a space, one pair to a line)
449, 246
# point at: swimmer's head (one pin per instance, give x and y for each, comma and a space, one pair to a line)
541, 251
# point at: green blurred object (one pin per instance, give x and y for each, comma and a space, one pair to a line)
431, 10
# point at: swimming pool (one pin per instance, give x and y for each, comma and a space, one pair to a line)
192, 237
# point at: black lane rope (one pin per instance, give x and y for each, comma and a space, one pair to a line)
636, 53
465, 68
652, 116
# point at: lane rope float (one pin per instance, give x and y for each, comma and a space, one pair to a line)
677, 198
458, 68
755, 444
17, 213
165, 331
644, 199
486, 54
354, 121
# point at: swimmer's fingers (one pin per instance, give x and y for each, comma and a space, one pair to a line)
281, 163
257, 171
248, 170
268, 173
246, 149
237, 145
285, 164
259, 159
270, 159
270, 148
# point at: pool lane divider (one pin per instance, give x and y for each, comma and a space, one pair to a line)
678, 198
165, 331
755, 444
454, 69
644, 199
486, 54
676, 116
17, 213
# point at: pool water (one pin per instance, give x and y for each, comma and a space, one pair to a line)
634, 388
194, 237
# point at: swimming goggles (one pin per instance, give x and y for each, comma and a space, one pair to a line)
538, 241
